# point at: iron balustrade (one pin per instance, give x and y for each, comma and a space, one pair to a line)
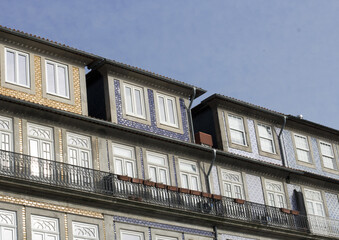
324, 226
68, 176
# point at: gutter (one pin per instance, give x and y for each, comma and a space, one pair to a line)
189, 113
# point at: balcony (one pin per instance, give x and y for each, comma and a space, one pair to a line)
52, 173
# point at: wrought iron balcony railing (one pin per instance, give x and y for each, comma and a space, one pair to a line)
68, 176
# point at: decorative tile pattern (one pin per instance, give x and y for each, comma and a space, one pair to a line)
162, 226
332, 201
115, 230
255, 152
291, 158
254, 187
38, 97
290, 192
149, 233
153, 127
215, 181
232, 237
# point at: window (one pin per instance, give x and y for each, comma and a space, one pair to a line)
158, 237
189, 175
124, 160
167, 110
275, 194
8, 228
40, 142
79, 150
6, 133
57, 79
157, 167
134, 101
302, 148
85, 231
44, 228
237, 130
131, 235
232, 184
327, 155
314, 203
266, 138
17, 67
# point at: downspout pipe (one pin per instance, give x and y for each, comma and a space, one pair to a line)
282, 149
210, 169
189, 113
215, 229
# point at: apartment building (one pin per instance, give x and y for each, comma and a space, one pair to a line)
112, 154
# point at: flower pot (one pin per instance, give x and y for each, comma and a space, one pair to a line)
196, 193
149, 183
295, 212
137, 180
160, 185
239, 201
208, 195
172, 188
124, 178
284, 210
184, 190
216, 197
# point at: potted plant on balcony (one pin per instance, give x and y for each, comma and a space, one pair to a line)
239, 201
172, 188
149, 183
207, 195
285, 210
124, 178
184, 190
196, 193
160, 185
137, 180
216, 197
295, 212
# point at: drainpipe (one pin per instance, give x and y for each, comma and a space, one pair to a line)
189, 112
215, 229
282, 149
210, 169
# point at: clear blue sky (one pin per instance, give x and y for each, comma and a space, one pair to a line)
279, 54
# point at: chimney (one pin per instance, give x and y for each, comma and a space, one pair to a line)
203, 139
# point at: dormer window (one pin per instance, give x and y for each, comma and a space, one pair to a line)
302, 148
17, 68
327, 155
237, 130
57, 79
134, 101
167, 110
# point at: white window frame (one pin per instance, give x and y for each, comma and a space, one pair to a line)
79, 147
190, 175
161, 237
166, 111
16, 67
56, 76
272, 191
124, 159
44, 232
323, 155
265, 138
133, 101
6, 129
158, 167
141, 235
308, 149
94, 227
313, 202
8, 226
225, 173
242, 131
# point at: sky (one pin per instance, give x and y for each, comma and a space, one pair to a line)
278, 54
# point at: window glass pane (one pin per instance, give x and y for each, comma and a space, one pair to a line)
73, 157
156, 160
320, 209
236, 122
162, 113
163, 178
138, 102
303, 155
265, 131
238, 137
37, 236
33, 148
171, 116
281, 201
271, 199
10, 66
22, 78
301, 142
46, 151
50, 78
195, 184
228, 190
128, 99
8, 233
129, 169
328, 162
188, 167
152, 174
123, 152
266, 145
84, 159
326, 149
238, 192
184, 180
5, 142
130, 236
62, 81
118, 166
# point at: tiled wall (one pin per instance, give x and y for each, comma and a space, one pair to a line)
255, 152
255, 190
332, 201
291, 158
153, 127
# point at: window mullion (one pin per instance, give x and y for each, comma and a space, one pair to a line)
56, 78
16, 67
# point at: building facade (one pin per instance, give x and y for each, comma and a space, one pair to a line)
111, 155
